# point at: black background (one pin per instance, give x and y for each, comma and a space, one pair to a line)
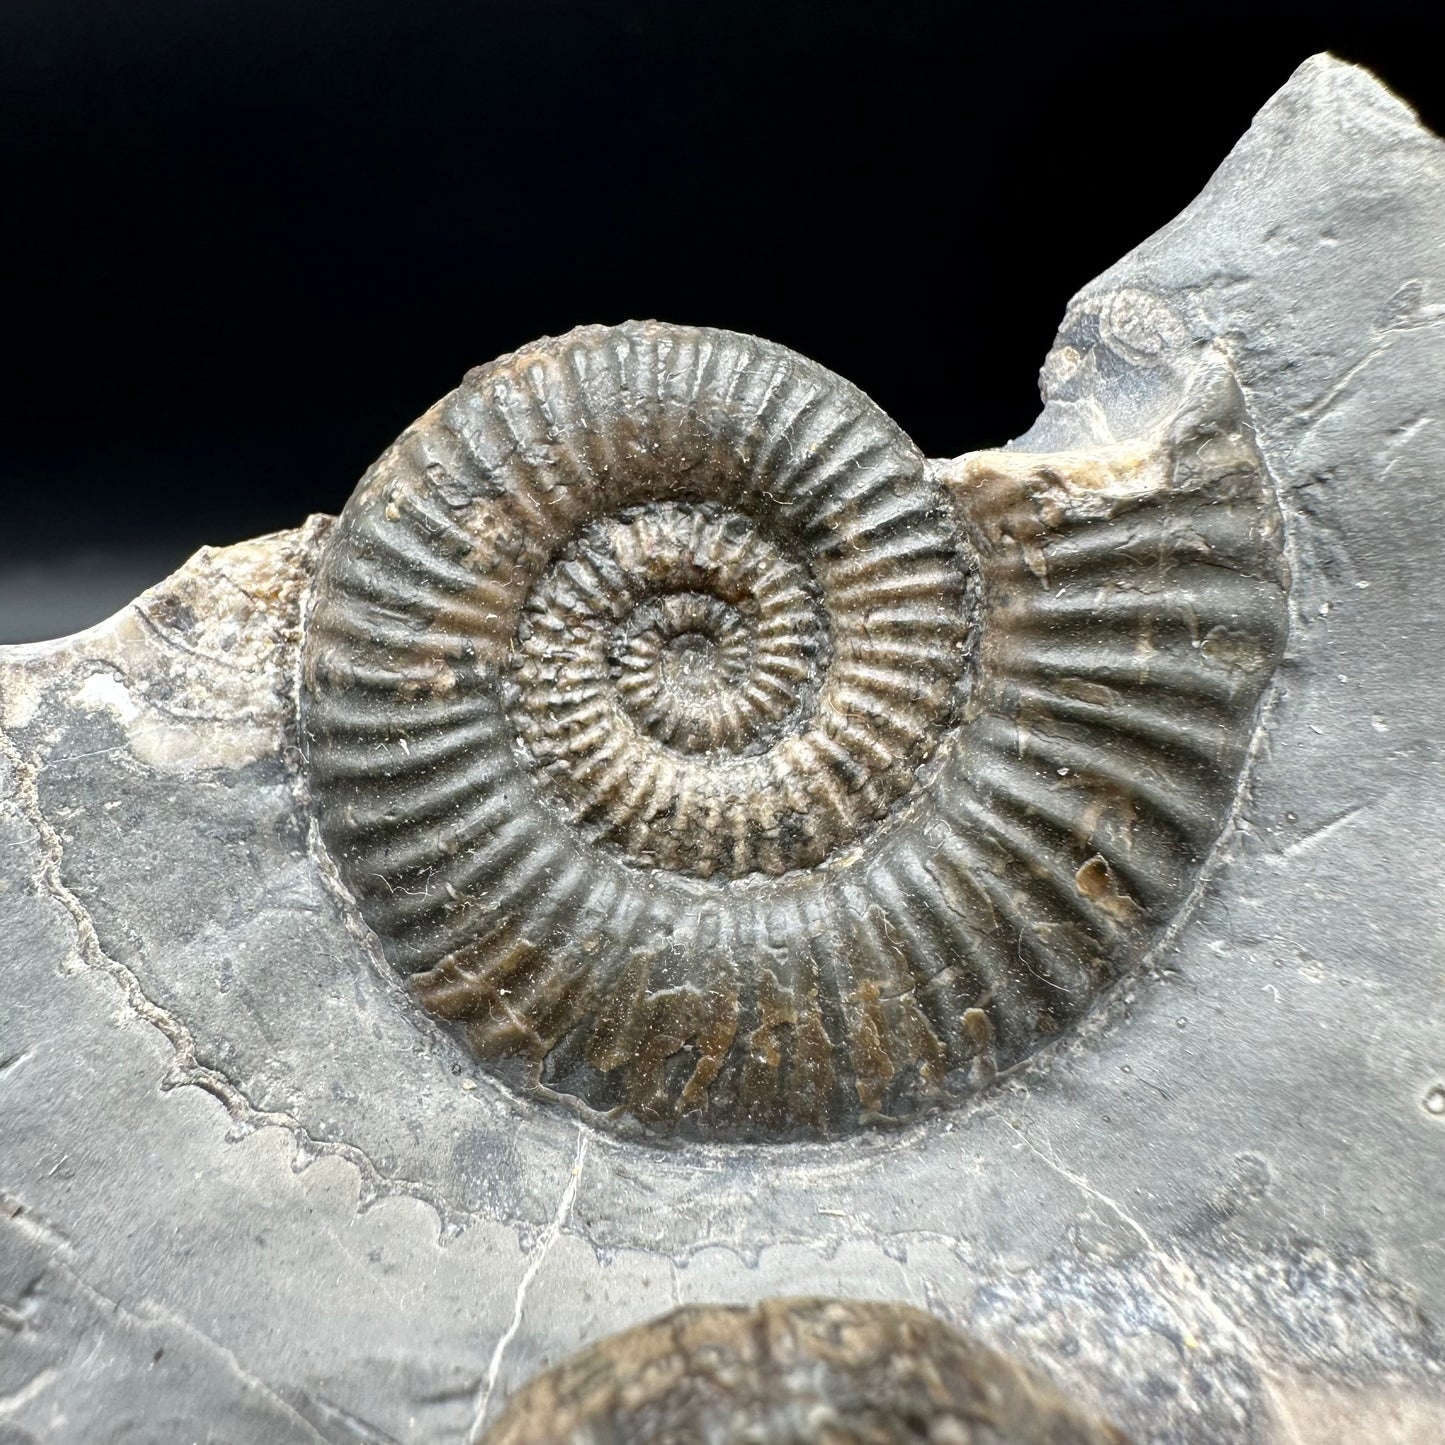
243, 244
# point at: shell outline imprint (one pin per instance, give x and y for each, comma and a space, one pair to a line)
721, 767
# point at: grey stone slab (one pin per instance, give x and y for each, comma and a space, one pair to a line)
251, 1193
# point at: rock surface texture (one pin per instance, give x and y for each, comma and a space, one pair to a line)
250, 1190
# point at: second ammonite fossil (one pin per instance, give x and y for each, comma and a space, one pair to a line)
794, 1372
721, 765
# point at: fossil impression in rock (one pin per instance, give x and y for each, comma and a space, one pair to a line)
721, 766
794, 1372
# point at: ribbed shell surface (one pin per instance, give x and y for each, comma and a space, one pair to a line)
719, 765
794, 1372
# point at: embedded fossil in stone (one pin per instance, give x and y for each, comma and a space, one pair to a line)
795, 1372
720, 765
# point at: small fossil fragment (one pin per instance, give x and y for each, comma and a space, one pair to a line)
719, 764
794, 1372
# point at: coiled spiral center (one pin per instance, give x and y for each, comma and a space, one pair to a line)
667, 679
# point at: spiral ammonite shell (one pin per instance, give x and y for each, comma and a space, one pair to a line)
794, 1372
720, 765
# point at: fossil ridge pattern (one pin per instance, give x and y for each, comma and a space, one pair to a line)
794, 1372
720, 766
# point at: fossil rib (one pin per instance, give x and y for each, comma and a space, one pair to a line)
717, 763
794, 1372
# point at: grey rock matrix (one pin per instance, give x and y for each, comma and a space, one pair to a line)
249, 1191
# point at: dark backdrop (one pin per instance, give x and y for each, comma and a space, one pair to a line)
242, 244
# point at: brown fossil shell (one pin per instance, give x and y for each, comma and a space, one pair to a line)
718, 764
794, 1372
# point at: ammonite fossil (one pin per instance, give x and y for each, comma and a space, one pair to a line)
720, 765
794, 1372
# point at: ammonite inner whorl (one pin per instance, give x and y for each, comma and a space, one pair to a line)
724, 766
794, 1372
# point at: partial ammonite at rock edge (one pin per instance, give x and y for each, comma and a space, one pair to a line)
720, 766
794, 1372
